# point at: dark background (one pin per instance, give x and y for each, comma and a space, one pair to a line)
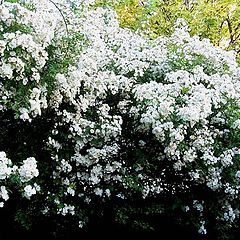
103, 228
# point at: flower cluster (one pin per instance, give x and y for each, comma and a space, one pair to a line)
5, 166
9, 172
32, 32
28, 170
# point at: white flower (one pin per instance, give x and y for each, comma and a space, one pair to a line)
238, 175
29, 191
2, 46
81, 224
67, 209
202, 230
4, 193
98, 192
5, 166
6, 70
71, 191
28, 170
24, 114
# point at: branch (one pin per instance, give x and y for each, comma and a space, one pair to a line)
64, 19
186, 3
219, 30
235, 30
236, 38
237, 27
230, 29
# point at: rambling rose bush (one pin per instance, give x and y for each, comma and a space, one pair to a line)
126, 119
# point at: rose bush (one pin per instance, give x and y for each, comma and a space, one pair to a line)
102, 117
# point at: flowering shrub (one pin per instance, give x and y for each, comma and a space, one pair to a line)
103, 115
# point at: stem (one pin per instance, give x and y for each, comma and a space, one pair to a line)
64, 19
186, 3
219, 31
230, 29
